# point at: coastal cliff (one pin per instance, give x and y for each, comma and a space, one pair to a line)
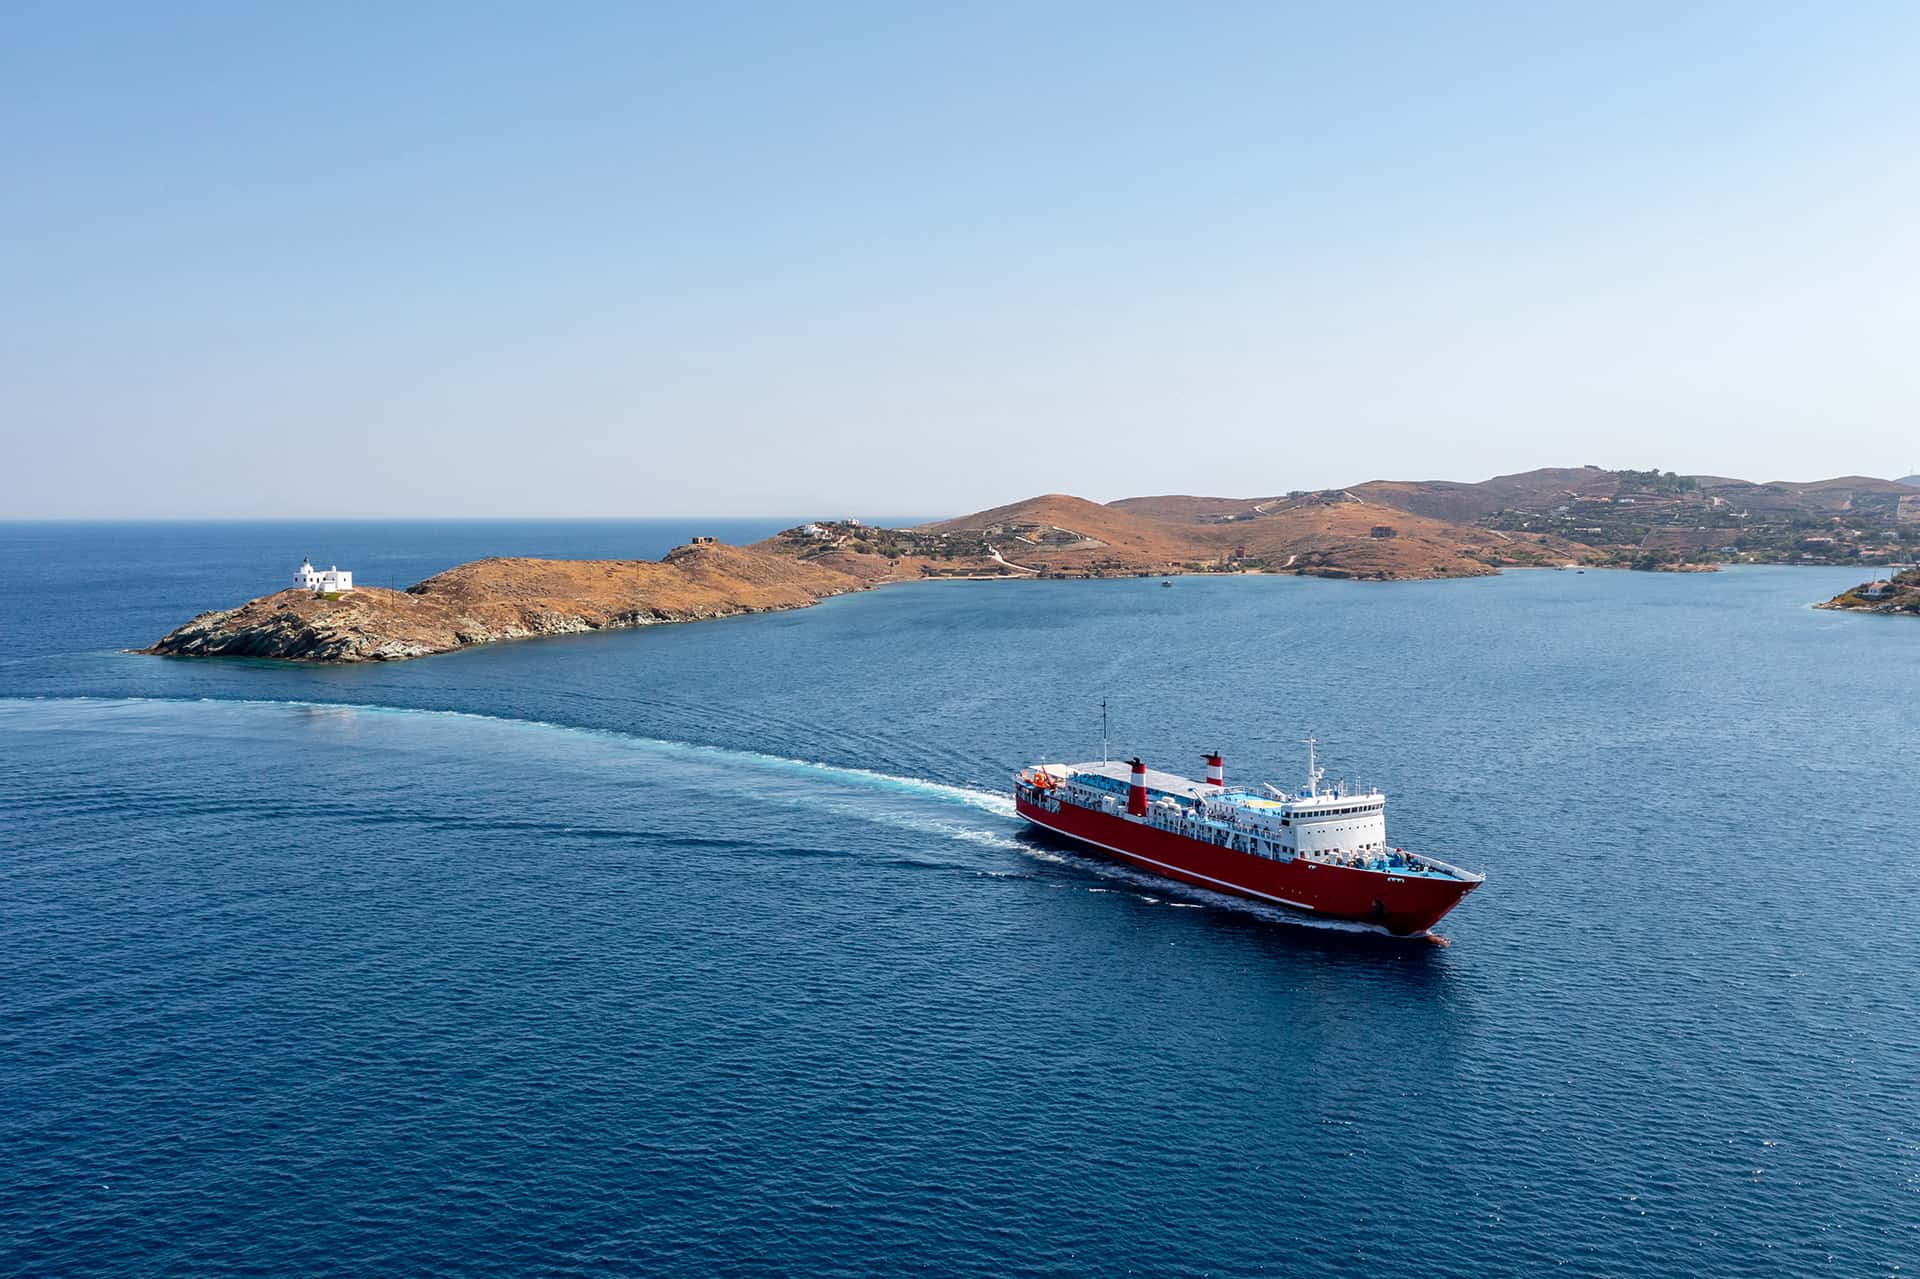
502, 599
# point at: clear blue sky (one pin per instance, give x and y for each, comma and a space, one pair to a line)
500, 259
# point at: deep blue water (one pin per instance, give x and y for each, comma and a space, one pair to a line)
713, 949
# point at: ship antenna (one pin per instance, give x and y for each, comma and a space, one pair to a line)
1103, 730
1313, 769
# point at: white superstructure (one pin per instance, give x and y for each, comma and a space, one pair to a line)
1320, 822
326, 581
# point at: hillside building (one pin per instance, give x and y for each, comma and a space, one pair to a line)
323, 581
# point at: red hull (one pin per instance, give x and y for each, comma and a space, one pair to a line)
1400, 904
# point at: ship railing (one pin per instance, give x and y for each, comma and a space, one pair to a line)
1456, 871
1429, 867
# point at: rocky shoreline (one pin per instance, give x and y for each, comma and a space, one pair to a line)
1895, 597
492, 600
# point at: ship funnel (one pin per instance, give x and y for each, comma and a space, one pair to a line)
1216, 771
1137, 789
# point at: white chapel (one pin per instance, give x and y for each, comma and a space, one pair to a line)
308, 578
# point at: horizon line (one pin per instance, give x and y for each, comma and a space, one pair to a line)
714, 515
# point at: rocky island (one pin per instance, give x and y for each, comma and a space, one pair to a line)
503, 599
1897, 594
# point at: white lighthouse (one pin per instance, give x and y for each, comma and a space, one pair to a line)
324, 581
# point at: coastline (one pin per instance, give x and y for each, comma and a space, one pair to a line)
493, 601
453, 611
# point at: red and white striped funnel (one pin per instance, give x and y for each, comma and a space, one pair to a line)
1216, 769
1137, 789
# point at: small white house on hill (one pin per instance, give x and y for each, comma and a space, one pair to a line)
326, 581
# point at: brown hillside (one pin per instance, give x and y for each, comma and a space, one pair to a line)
1548, 487
1464, 503
1059, 533
1185, 509
497, 599
1332, 534
1338, 537
1803, 499
1553, 488
1059, 510
1843, 483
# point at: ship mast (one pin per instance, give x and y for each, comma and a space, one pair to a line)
1103, 730
1314, 771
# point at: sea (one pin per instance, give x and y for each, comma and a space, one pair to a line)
716, 949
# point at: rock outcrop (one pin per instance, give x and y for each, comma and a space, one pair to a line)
502, 599
1898, 595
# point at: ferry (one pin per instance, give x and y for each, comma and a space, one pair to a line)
1322, 849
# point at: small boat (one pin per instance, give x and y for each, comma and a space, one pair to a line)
1165, 582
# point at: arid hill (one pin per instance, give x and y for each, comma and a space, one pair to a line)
1464, 503
1185, 508
1438, 528
1056, 535
1640, 519
1341, 535
1551, 486
1332, 534
500, 599
1062, 534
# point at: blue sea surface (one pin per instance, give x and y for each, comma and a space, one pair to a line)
716, 950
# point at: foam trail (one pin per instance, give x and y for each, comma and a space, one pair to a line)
972, 797
984, 800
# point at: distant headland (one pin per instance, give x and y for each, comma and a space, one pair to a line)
1383, 530
1897, 595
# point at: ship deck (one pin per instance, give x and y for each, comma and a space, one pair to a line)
1121, 771
1115, 777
